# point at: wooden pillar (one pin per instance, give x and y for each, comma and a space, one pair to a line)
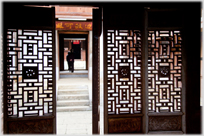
192, 53
96, 71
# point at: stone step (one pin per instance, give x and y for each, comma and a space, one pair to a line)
76, 72
68, 74
64, 103
74, 76
73, 97
73, 73
73, 91
67, 87
73, 108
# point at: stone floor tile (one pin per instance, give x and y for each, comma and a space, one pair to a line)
82, 132
61, 126
61, 131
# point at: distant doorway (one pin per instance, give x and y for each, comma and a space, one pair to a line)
77, 42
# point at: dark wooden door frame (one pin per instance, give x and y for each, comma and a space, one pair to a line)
61, 53
97, 29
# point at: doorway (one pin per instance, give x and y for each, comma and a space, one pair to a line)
79, 44
75, 89
74, 92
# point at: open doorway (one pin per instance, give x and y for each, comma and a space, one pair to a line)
74, 89
79, 45
79, 48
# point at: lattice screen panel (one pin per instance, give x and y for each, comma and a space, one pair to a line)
164, 71
124, 71
29, 72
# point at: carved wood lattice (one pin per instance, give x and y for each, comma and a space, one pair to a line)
29, 72
164, 71
124, 71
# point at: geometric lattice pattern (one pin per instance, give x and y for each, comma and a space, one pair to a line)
124, 71
164, 71
29, 72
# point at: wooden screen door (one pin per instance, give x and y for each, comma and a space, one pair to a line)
29, 70
143, 71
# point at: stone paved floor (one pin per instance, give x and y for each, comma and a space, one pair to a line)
78, 122
70, 123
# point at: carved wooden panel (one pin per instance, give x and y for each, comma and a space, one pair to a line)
29, 72
125, 125
164, 71
165, 123
124, 71
31, 127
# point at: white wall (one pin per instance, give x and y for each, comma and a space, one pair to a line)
57, 53
90, 65
57, 59
101, 84
90, 55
